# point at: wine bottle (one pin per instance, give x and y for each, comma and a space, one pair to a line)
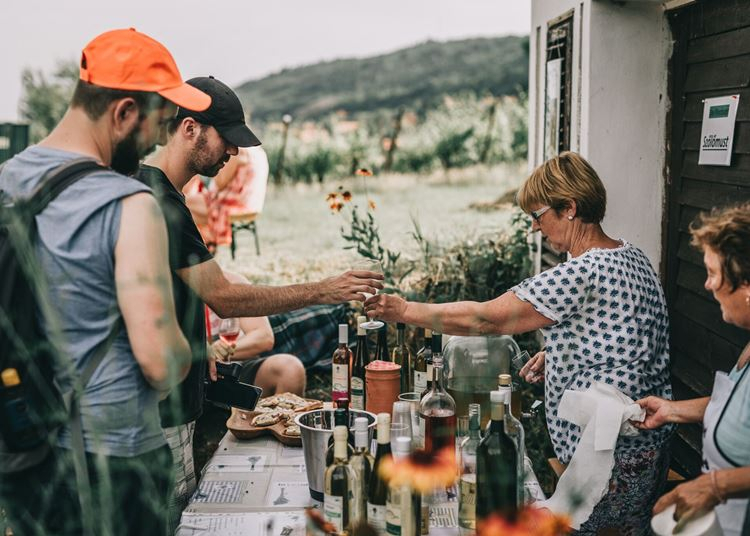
401, 509
361, 360
339, 507
420, 363
361, 462
436, 347
341, 361
514, 429
340, 418
377, 492
381, 344
497, 467
437, 410
467, 487
402, 356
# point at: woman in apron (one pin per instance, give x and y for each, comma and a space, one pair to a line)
724, 486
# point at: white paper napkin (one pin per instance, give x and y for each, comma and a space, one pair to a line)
603, 413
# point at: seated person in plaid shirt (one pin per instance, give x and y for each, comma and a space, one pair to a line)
273, 372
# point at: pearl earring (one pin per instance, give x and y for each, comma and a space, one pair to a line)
570, 218
747, 300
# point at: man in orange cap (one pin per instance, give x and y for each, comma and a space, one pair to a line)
201, 142
110, 293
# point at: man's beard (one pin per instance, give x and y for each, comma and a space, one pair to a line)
197, 159
126, 158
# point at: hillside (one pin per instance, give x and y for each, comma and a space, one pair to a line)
414, 77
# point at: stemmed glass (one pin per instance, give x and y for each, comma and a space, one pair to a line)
369, 266
229, 330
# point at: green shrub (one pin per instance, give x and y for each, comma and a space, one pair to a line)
413, 161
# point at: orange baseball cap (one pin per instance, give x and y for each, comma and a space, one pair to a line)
132, 61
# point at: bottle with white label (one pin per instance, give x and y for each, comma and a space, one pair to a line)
377, 493
361, 461
339, 501
361, 360
340, 363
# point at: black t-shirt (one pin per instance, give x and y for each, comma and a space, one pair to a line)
186, 248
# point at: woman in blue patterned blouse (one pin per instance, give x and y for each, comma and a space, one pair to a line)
603, 317
724, 238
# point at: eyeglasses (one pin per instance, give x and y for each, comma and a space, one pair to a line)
537, 214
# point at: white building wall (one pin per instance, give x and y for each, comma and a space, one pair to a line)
619, 107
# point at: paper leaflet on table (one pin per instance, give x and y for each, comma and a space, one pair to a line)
603, 414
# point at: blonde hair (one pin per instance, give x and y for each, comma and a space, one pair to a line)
727, 232
564, 178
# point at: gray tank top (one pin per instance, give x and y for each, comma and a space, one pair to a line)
77, 236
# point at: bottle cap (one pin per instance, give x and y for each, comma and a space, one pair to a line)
504, 380
384, 428
10, 377
402, 447
343, 333
360, 329
427, 333
340, 433
360, 424
498, 397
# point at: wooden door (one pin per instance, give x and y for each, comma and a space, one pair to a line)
711, 58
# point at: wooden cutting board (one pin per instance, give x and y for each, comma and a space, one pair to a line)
240, 424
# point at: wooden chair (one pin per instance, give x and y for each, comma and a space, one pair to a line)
244, 221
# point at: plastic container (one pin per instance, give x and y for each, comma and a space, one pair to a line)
471, 368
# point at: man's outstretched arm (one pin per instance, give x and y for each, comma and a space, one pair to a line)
229, 299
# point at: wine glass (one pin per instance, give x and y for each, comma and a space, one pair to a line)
229, 331
369, 266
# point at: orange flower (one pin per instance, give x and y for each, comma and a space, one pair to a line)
530, 521
336, 206
330, 197
422, 471
371, 204
363, 172
347, 195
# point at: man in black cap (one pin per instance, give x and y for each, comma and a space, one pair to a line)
200, 143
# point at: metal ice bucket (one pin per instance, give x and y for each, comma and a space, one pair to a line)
317, 427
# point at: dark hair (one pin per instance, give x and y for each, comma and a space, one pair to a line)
727, 232
95, 99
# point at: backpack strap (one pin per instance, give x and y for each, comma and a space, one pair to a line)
58, 179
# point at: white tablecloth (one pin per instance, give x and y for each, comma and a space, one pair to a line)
260, 487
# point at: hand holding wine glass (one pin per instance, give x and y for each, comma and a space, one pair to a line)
369, 266
229, 332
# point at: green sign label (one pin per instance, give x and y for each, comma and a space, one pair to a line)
715, 112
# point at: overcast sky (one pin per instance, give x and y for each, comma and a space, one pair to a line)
238, 40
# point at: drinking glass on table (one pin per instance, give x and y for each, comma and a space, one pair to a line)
401, 424
229, 331
369, 266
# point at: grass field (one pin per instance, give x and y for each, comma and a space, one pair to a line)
300, 237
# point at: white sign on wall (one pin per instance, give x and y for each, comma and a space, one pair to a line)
717, 130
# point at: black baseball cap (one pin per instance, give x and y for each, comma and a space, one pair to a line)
225, 113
